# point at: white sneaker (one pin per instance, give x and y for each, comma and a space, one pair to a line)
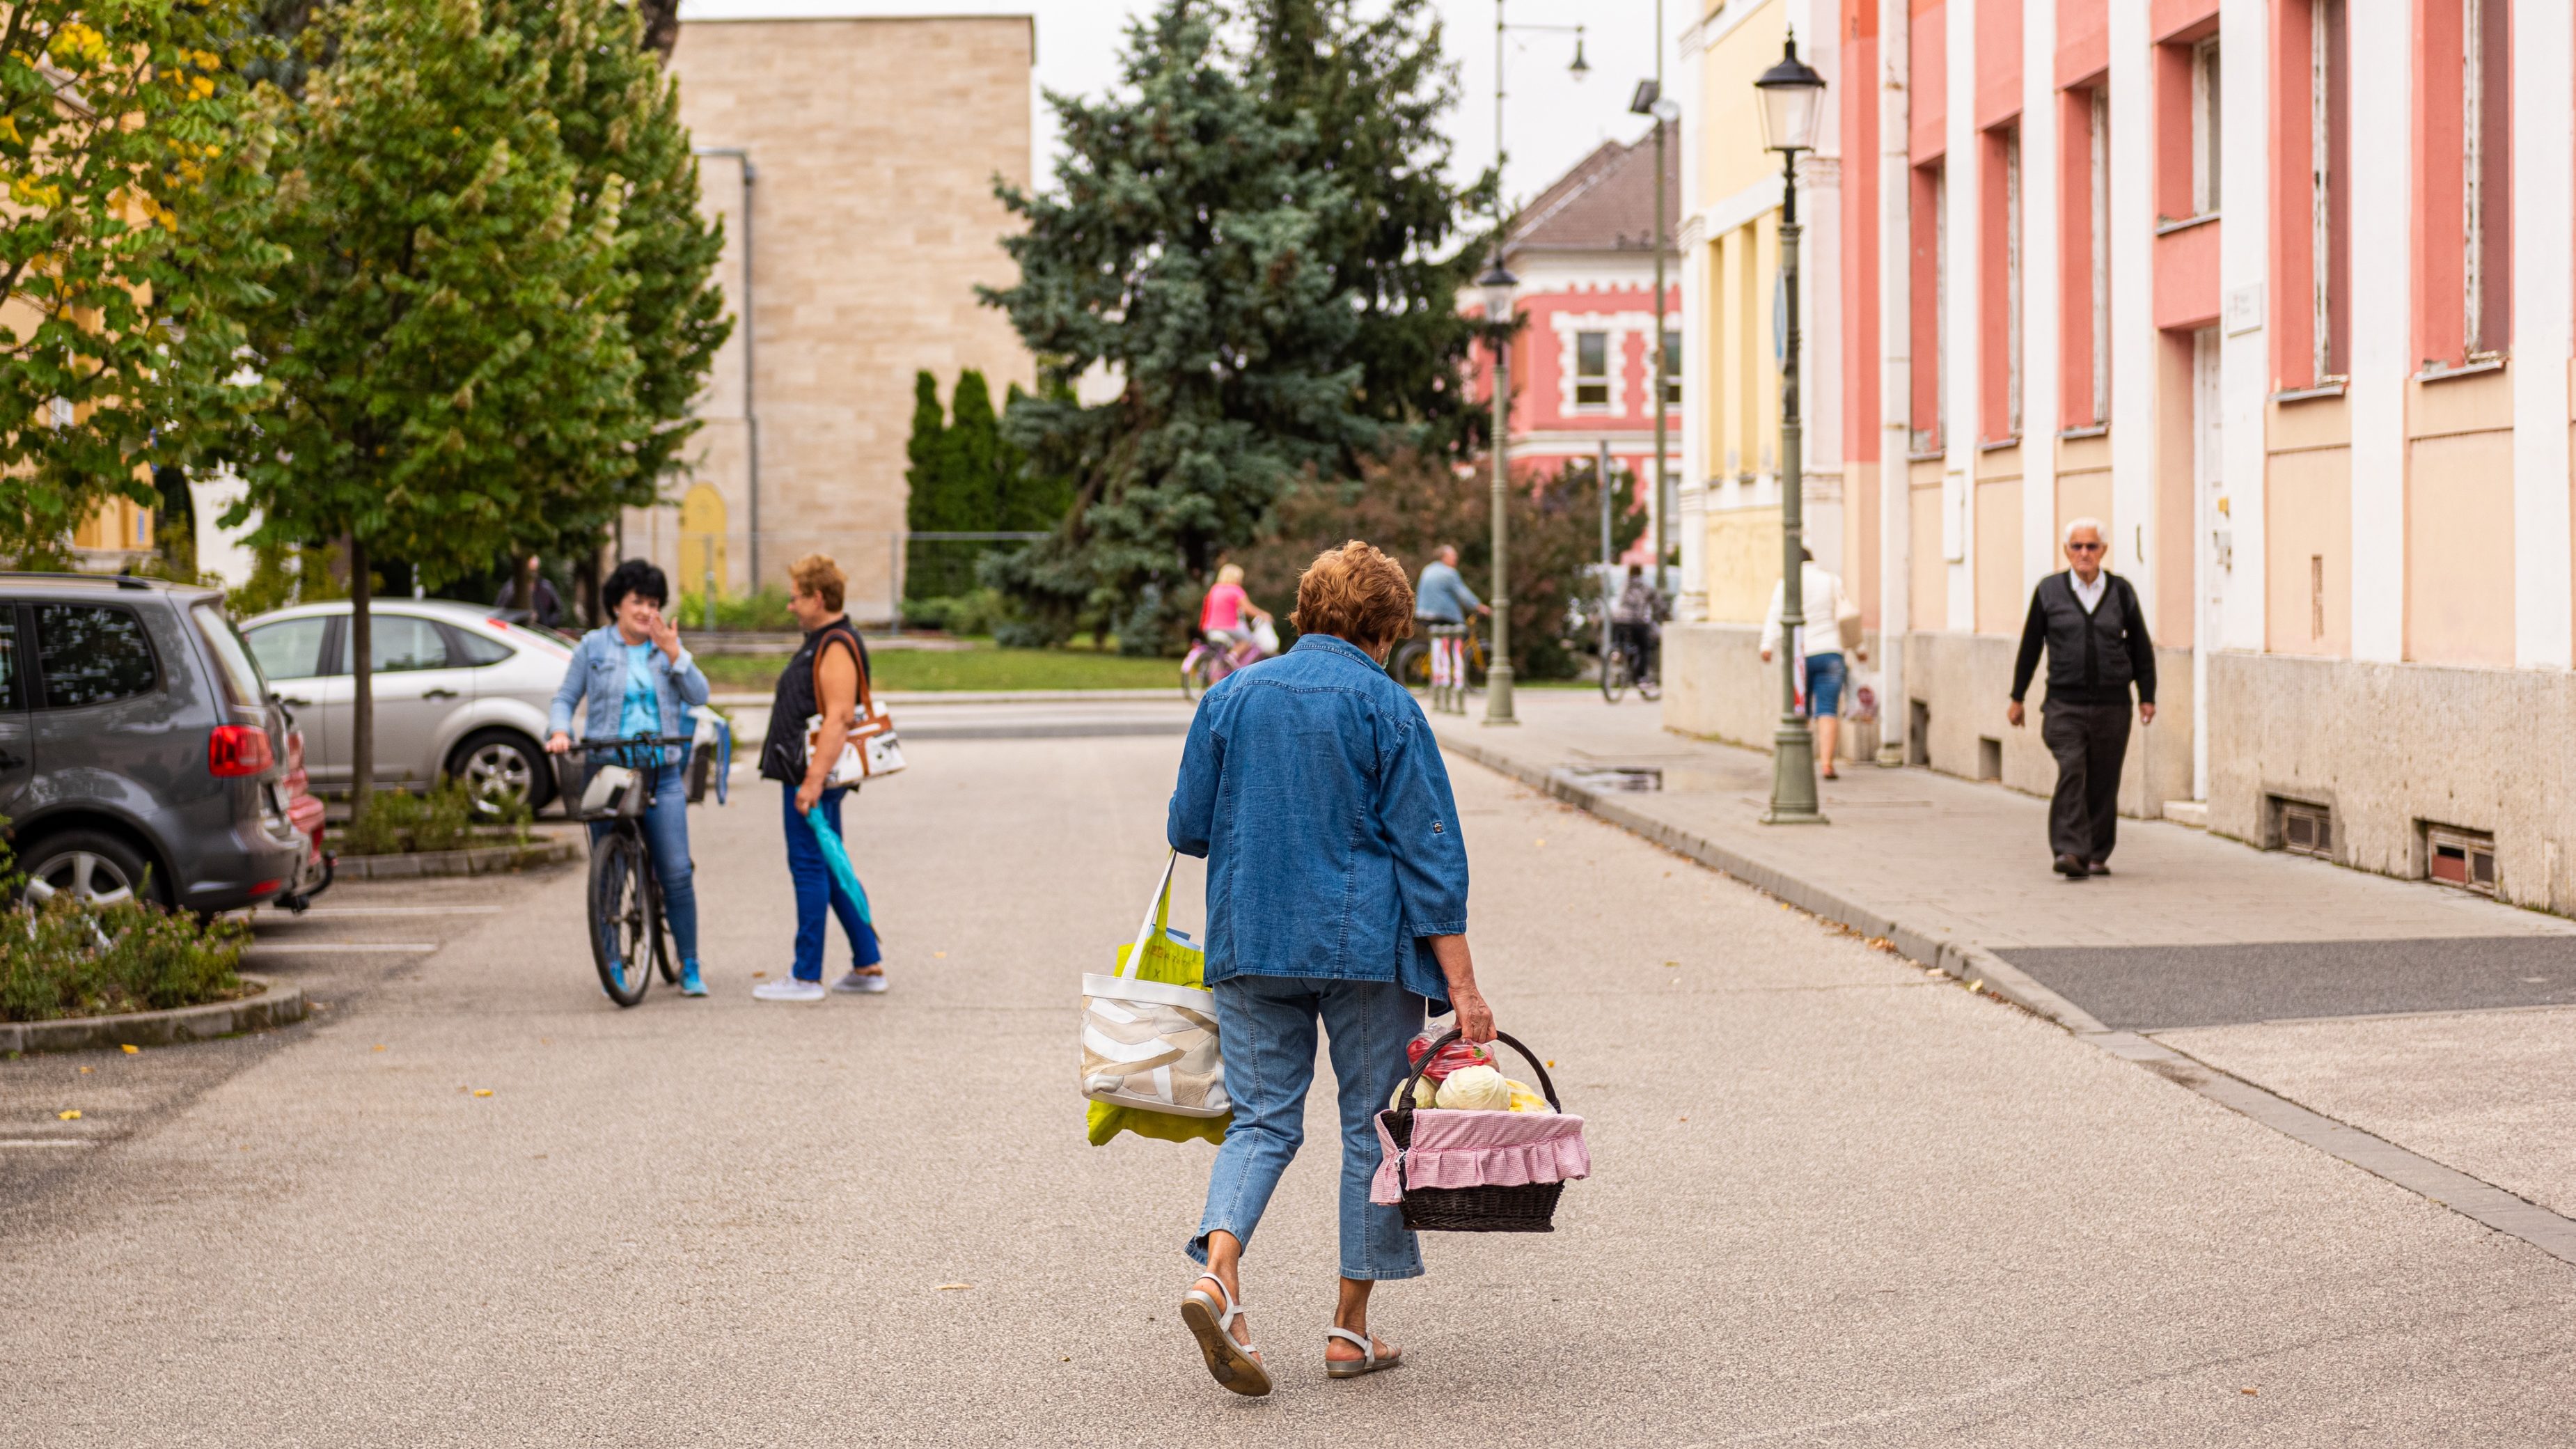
864, 983
790, 989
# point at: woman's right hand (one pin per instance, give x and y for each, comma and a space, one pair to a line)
1475, 1018
558, 743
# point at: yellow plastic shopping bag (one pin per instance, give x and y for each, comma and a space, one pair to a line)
1169, 959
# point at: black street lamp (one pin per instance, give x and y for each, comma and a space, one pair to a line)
1792, 101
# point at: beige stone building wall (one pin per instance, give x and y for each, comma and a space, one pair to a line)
874, 145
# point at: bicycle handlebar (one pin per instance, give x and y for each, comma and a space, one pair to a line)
631, 742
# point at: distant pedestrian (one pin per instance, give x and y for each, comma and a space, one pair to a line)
822, 679
545, 609
1634, 615
1821, 603
1336, 893
2089, 621
1444, 598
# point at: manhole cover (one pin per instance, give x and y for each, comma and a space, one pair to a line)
1633, 778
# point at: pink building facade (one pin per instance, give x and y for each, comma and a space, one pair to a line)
1583, 362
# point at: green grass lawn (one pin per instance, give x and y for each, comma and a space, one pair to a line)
982, 667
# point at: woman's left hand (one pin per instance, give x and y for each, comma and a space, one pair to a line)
807, 795
666, 635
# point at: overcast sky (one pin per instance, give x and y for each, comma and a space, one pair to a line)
1553, 121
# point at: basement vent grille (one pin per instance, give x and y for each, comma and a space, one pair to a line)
2304, 829
2464, 858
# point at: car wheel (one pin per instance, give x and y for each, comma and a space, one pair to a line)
91, 867
498, 765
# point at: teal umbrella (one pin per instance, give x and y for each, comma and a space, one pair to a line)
837, 855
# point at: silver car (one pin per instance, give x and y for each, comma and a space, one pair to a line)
458, 693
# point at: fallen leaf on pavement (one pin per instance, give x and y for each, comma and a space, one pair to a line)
380, 1046
128, 1048
482, 1091
948, 1287
941, 955
756, 975
85, 1071
68, 1114
2244, 1391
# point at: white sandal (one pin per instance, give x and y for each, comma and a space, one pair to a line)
1211, 1320
1367, 1363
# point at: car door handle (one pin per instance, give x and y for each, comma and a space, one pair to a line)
298, 703
438, 694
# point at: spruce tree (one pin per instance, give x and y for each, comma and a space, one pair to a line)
1183, 247
1375, 85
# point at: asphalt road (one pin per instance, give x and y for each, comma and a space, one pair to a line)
1838, 1201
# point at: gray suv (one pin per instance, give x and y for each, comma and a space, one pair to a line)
140, 750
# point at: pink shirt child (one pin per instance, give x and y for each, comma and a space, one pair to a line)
1223, 609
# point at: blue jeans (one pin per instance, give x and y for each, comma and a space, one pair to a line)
1267, 1027
666, 828
815, 886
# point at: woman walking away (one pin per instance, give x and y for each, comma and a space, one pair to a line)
1336, 893
822, 679
639, 681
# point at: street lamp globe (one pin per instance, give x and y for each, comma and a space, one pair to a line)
1497, 284
1793, 99
1581, 68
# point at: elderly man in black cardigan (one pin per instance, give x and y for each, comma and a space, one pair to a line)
2088, 620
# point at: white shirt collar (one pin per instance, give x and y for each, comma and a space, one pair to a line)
2089, 595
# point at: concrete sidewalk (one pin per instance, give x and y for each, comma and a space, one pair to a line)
2413, 1030
1943, 864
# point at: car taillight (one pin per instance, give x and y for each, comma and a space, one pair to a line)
238, 750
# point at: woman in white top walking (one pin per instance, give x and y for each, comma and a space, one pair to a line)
1821, 600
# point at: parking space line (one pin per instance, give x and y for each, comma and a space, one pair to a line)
309, 948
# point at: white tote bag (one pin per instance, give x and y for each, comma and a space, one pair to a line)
870, 751
1152, 1044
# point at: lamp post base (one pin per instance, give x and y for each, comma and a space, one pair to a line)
1498, 696
1793, 777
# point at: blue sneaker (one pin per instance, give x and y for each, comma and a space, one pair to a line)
690, 985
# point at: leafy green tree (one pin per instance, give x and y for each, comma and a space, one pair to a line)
1033, 501
1182, 249
617, 112
1374, 83
449, 311
133, 157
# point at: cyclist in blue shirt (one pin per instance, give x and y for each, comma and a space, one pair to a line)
638, 680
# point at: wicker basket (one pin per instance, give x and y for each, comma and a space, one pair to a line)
1527, 1208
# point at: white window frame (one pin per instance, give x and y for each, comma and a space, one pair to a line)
2207, 126
2012, 280
2322, 180
2100, 139
1600, 379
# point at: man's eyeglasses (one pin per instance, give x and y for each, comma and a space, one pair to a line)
2084, 548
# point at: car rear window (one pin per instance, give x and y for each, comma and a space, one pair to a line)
92, 654
289, 648
397, 644
480, 651
240, 671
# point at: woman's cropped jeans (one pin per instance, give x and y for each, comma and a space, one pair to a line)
1266, 1025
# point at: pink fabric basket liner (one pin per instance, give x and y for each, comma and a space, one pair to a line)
1482, 1149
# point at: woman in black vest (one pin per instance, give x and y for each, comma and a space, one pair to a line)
822, 679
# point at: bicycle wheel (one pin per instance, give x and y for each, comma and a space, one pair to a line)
621, 917
1194, 677
665, 960
1614, 675
1411, 664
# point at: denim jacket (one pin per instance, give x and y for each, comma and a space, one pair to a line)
1312, 785
598, 670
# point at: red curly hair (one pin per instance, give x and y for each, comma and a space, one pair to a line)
1357, 593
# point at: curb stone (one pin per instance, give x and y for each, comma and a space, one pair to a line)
482, 860
271, 1005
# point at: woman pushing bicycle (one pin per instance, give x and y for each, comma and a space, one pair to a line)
639, 681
